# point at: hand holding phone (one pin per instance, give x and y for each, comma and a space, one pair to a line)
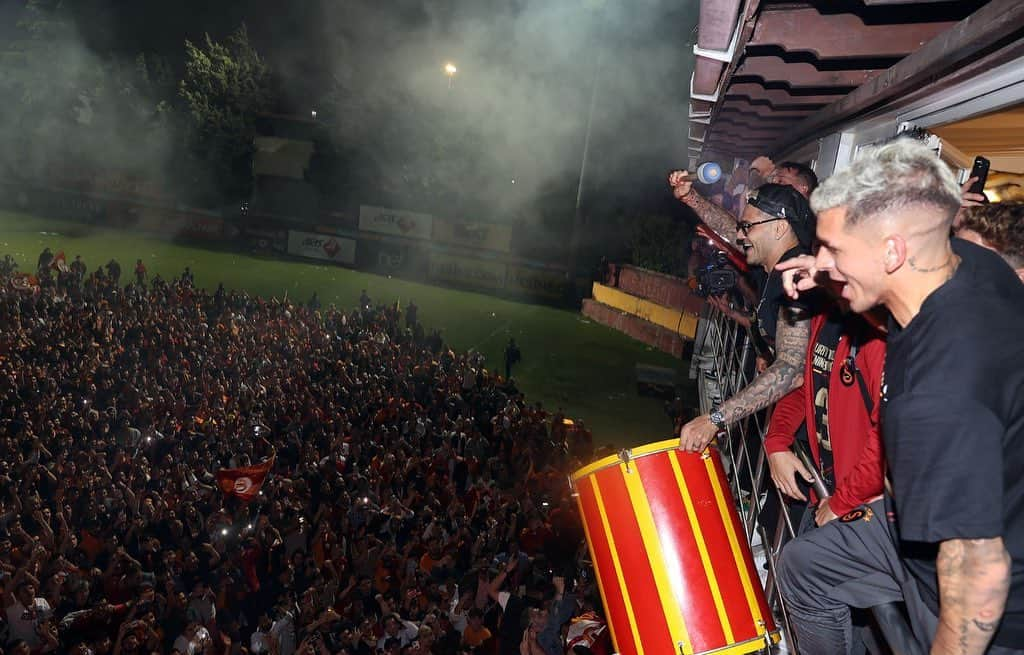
979, 173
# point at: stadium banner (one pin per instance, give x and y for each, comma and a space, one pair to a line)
173, 223
322, 246
537, 281
54, 203
467, 272
265, 239
395, 222
388, 258
60, 174
484, 236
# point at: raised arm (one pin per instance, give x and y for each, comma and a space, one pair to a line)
974, 580
715, 217
495, 586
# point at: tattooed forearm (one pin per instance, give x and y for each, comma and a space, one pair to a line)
768, 388
784, 375
712, 215
985, 626
974, 579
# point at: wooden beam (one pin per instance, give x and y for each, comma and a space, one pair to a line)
754, 145
706, 73
799, 74
717, 22
748, 18
738, 140
840, 35
740, 107
778, 97
701, 105
873, 3
953, 54
771, 129
730, 132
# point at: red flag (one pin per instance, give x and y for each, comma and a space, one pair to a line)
60, 262
245, 482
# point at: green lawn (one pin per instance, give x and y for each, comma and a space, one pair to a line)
568, 361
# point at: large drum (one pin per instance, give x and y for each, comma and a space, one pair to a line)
672, 562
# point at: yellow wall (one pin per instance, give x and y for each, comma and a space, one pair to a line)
677, 321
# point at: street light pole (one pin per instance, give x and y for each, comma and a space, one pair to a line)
577, 219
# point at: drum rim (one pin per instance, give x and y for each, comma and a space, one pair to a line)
616, 459
738, 647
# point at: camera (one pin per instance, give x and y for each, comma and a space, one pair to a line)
717, 277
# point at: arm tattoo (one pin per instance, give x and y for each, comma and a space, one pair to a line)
986, 626
974, 580
712, 215
784, 375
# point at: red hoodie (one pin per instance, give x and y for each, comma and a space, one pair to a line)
856, 441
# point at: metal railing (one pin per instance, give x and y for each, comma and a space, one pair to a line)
723, 363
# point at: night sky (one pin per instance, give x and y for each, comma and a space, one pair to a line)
546, 48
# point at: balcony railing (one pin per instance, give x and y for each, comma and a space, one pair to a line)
723, 363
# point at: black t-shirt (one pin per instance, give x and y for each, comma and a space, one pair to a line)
953, 399
774, 299
822, 362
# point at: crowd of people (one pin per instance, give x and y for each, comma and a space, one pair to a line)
885, 318
214, 474
413, 502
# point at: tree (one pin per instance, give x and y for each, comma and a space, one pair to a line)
659, 243
72, 108
224, 88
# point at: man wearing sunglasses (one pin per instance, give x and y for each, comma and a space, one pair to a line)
776, 224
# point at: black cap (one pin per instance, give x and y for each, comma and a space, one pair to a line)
783, 201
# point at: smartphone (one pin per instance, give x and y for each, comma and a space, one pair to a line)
980, 171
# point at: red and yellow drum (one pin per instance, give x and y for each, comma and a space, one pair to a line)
672, 562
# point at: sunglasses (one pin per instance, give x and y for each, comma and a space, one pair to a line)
744, 226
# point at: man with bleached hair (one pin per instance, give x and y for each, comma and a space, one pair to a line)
952, 414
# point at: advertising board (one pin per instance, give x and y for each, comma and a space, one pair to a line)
466, 271
322, 246
538, 282
397, 259
395, 222
484, 236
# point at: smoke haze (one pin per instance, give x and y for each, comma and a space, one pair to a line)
526, 70
71, 111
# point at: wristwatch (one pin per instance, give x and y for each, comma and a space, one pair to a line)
717, 419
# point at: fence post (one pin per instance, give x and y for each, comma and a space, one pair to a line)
722, 356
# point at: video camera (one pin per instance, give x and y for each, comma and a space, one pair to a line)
716, 277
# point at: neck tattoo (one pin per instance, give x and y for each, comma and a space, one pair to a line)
949, 263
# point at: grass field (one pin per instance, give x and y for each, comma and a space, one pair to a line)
568, 361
